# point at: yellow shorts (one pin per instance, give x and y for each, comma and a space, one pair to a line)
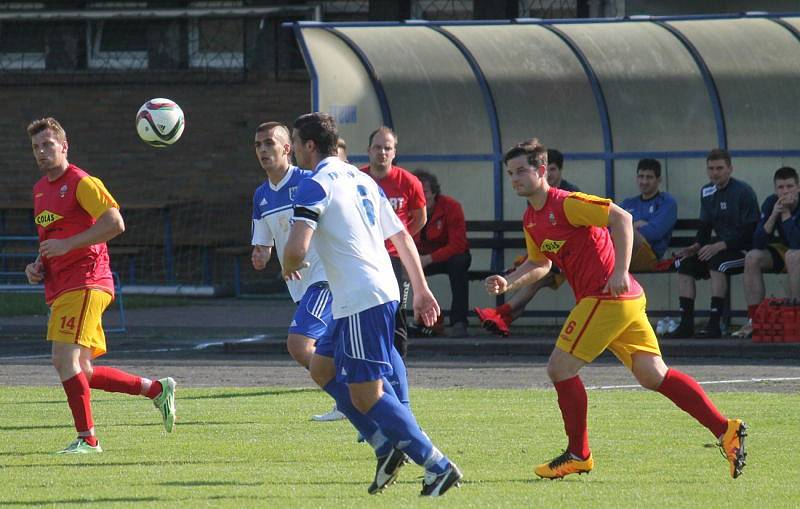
76, 317
644, 259
619, 325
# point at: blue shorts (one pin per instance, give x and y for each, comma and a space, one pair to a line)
313, 317
363, 344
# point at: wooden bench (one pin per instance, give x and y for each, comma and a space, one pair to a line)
683, 235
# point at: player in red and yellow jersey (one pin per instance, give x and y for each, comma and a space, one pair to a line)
590, 240
75, 216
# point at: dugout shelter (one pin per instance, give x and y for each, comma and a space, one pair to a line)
606, 92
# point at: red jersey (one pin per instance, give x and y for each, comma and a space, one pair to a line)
445, 233
404, 192
65, 207
570, 230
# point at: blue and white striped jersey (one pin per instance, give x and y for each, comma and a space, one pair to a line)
272, 213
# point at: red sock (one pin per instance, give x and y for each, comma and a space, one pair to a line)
574, 403
155, 390
751, 311
504, 309
687, 394
113, 380
91, 440
79, 400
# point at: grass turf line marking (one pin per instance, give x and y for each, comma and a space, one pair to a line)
709, 382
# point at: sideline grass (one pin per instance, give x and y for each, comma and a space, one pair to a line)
257, 448
20, 304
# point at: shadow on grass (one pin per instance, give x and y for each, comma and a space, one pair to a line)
40, 426
230, 395
82, 501
100, 464
178, 423
187, 484
34, 402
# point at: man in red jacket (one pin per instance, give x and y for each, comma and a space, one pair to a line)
443, 247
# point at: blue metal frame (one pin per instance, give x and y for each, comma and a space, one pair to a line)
608, 156
494, 123
600, 100
711, 85
791, 28
383, 101
312, 71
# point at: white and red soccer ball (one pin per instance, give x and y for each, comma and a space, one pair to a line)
160, 122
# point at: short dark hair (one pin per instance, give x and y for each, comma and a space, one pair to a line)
555, 156
649, 164
535, 152
382, 129
785, 173
430, 178
320, 128
43, 124
269, 126
717, 154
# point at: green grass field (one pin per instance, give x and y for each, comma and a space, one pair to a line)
257, 448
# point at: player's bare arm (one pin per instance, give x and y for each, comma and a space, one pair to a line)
107, 226
35, 271
527, 273
426, 309
417, 219
260, 256
620, 226
294, 254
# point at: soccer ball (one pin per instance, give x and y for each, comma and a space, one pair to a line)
159, 122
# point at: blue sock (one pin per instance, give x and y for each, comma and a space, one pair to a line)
401, 428
366, 427
399, 378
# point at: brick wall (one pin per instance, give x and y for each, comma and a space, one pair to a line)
212, 167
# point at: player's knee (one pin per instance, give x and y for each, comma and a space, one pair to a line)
753, 260
649, 370
650, 380
793, 259
87, 368
558, 373
301, 349
362, 403
322, 370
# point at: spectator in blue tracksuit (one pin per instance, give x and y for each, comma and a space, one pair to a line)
654, 215
776, 243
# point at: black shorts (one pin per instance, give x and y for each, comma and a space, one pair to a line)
728, 261
778, 254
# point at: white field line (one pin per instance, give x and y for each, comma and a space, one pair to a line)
708, 382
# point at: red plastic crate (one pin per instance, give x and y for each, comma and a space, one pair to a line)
777, 321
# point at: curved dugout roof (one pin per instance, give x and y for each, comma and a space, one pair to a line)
599, 90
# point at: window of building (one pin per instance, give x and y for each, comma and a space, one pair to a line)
117, 44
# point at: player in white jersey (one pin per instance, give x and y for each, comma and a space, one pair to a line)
348, 217
312, 322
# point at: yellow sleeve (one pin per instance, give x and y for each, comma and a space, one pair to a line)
534, 254
586, 210
94, 198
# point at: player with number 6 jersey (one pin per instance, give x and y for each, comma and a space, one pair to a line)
590, 240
